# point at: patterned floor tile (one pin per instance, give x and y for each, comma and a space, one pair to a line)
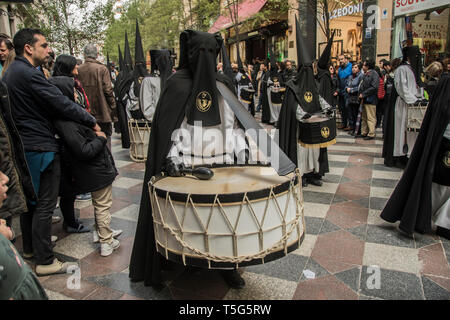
327, 227
353, 190
377, 174
388, 235
121, 282
128, 213
392, 258
317, 197
325, 288
126, 183
384, 183
433, 291
103, 293
52, 295
313, 270
434, 261
334, 157
381, 192
77, 245
315, 209
357, 173
326, 187
347, 217
378, 203
350, 277
392, 285
262, 287
120, 163
313, 225
307, 245
288, 268
338, 251
359, 149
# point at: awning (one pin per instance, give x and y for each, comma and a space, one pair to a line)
246, 9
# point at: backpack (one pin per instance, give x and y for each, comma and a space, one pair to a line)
381, 91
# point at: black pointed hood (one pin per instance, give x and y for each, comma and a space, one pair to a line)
273, 65
128, 63
324, 59
198, 53
139, 57
304, 85
415, 58
121, 64
227, 70
108, 64
303, 57
161, 61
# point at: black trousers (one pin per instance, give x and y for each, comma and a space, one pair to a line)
343, 110
67, 206
36, 224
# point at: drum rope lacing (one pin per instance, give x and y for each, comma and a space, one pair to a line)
260, 255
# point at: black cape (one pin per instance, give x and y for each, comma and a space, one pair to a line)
123, 81
287, 125
170, 111
411, 201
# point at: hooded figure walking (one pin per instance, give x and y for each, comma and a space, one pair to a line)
302, 100
177, 108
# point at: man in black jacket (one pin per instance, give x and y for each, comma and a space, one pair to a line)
35, 104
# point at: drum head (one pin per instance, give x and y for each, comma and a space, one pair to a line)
227, 180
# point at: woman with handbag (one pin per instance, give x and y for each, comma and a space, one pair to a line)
352, 100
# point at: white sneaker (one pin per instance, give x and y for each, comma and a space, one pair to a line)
107, 248
116, 233
54, 238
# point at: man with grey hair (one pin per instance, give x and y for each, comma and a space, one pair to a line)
96, 81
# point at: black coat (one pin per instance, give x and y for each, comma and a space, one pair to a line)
411, 200
12, 162
36, 103
90, 163
145, 263
87, 164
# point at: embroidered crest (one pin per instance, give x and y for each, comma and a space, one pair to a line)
308, 96
325, 132
446, 159
203, 101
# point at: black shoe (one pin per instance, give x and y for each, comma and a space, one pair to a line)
304, 182
233, 278
369, 138
315, 182
442, 232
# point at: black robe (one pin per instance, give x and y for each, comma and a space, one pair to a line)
288, 124
411, 200
389, 128
265, 115
170, 111
121, 113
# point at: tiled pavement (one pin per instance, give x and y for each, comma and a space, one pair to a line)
348, 252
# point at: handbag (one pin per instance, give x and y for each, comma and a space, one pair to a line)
353, 99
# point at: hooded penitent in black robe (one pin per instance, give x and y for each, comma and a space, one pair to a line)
411, 200
265, 115
389, 127
296, 91
173, 106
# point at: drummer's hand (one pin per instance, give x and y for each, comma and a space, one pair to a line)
336, 93
173, 169
348, 90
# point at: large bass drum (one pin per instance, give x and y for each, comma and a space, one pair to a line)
317, 132
242, 216
415, 116
139, 138
277, 95
247, 94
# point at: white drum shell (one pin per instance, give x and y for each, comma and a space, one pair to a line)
139, 138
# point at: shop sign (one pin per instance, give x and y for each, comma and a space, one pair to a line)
346, 11
403, 7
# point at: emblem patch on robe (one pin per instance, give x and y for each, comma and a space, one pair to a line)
203, 101
446, 159
325, 132
308, 96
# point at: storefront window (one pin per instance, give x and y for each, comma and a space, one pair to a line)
430, 32
279, 44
